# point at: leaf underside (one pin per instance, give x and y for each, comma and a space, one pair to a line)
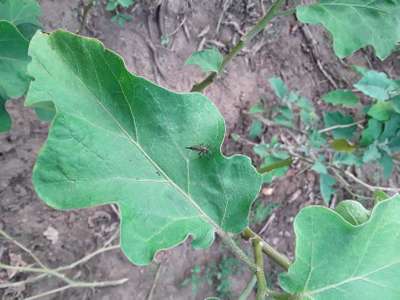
336, 260
355, 24
118, 138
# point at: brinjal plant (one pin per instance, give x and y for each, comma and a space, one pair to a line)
118, 138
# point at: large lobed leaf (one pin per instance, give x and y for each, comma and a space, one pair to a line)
18, 22
118, 138
355, 24
337, 260
13, 63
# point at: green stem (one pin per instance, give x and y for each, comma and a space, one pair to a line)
276, 256
248, 289
262, 288
258, 27
237, 250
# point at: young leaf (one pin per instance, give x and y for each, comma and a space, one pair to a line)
377, 85
353, 212
381, 111
337, 118
355, 24
326, 183
364, 260
348, 159
279, 87
319, 166
13, 63
343, 97
256, 129
387, 164
371, 154
371, 133
118, 138
209, 60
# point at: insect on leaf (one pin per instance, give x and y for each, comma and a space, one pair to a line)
337, 260
355, 24
118, 138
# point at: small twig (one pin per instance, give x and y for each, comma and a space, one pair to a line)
372, 188
258, 27
155, 282
248, 289
269, 221
177, 28
340, 126
86, 10
225, 7
100, 284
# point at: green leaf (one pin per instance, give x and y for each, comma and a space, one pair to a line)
381, 111
337, 118
348, 159
279, 87
22, 13
343, 97
13, 64
284, 117
371, 154
337, 260
377, 85
343, 145
256, 129
392, 127
326, 183
111, 5
317, 140
118, 138
126, 3
371, 133
319, 166
208, 60
380, 196
387, 164
353, 212
307, 111
276, 166
120, 19
355, 24
257, 108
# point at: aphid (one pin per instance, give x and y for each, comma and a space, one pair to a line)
201, 149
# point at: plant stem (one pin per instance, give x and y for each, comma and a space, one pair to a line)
237, 250
276, 256
248, 289
258, 27
262, 288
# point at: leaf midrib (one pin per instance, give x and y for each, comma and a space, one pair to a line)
130, 139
